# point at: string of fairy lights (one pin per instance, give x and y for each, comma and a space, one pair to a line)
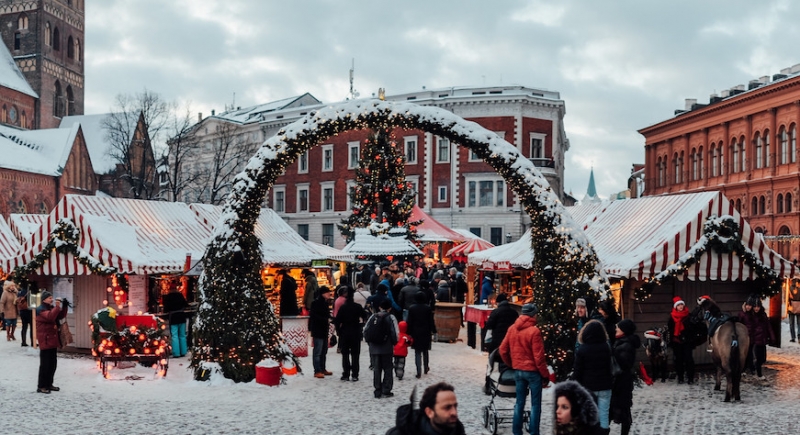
237, 327
722, 235
148, 344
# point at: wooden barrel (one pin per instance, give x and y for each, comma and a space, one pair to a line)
448, 320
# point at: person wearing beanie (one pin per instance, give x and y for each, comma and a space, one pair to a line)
679, 332
501, 318
523, 350
47, 317
581, 317
747, 317
761, 334
624, 351
607, 313
319, 325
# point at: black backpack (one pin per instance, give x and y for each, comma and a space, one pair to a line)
378, 329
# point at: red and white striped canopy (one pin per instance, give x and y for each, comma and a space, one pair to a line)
468, 247
9, 245
430, 230
134, 236
23, 225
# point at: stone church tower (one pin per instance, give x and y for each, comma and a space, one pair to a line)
46, 40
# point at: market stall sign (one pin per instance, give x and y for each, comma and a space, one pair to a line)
487, 265
319, 263
502, 265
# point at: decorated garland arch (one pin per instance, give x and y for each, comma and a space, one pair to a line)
236, 324
722, 234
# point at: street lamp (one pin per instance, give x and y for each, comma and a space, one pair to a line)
508, 237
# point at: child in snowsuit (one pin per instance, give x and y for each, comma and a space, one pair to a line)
401, 350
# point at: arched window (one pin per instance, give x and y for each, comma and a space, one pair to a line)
700, 164
757, 153
713, 158
734, 156
676, 168
23, 120
681, 173
739, 205
660, 170
762, 205
47, 39
70, 48
78, 53
43, 208
70, 101
742, 154
721, 158
22, 22
4, 114
788, 203
695, 164
754, 206
793, 143
20, 205
56, 40
58, 100
779, 203
766, 149
783, 137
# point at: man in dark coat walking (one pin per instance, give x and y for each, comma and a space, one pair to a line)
349, 323
288, 295
319, 325
381, 353
421, 327
499, 321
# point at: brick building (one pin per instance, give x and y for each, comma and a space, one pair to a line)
453, 186
743, 143
46, 40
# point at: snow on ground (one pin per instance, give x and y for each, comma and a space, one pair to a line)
88, 403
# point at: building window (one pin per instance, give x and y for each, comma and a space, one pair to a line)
302, 199
762, 209
485, 193
676, 165
496, 236
56, 40
411, 149
779, 203
695, 165
793, 143
721, 160
754, 206
279, 200
758, 145
700, 164
713, 157
78, 53
442, 194
766, 150
788, 206
742, 154
351, 185
734, 156
784, 140
22, 22
662, 171
58, 100
475, 230
537, 145
302, 163
327, 198
413, 180
302, 229
17, 40
443, 150
47, 40
327, 158
353, 154
327, 234
70, 48
739, 205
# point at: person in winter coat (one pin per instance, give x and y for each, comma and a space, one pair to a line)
341, 297
47, 317
26, 315
406, 298
8, 304
401, 350
523, 350
794, 311
426, 288
486, 289
319, 326
288, 294
499, 321
374, 301
349, 322
443, 291
175, 304
761, 336
437, 414
575, 412
312, 289
622, 393
747, 317
381, 353
592, 367
421, 327
678, 327
581, 317
607, 314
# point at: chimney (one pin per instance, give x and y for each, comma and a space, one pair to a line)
212, 112
764, 80
199, 116
713, 98
778, 77
753, 84
786, 71
689, 103
795, 68
725, 93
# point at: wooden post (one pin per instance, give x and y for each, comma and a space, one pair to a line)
34, 343
471, 271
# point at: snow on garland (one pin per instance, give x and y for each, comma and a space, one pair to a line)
231, 263
720, 233
64, 240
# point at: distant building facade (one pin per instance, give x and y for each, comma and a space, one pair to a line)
743, 143
453, 185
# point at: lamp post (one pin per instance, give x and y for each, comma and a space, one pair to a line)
508, 237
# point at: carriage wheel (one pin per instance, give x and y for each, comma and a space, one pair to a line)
493, 424
485, 416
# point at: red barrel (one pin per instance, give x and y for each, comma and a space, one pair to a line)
268, 375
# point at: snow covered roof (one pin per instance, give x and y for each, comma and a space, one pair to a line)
23, 225
393, 243
9, 245
430, 230
638, 238
134, 236
280, 244
467, 234
38, 151
331, 253
10, 75
96, 139
256, 113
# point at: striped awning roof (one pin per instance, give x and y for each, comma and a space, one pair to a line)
134, 236
9, 245
23, 225
280, 244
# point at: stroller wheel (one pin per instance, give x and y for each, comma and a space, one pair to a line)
493, 424
485, 416
526, 418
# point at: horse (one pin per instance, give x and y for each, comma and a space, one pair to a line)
656, 349
730, 342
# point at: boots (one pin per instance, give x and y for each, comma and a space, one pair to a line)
13, 330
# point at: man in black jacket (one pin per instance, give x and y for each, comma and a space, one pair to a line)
499, 321
318, 323
437, 414
349, 323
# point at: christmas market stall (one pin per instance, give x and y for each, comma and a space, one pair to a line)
9, 245
101, 253
436, 239
23, 225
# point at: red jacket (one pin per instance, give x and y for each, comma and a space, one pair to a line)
523, 347
47, 325
403, 340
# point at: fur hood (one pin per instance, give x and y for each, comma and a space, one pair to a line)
584, 410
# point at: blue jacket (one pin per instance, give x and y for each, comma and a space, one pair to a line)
486, 289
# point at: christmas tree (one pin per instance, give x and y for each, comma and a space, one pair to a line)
381, 193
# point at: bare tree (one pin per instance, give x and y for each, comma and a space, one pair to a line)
135, 124
183, 148
225, 153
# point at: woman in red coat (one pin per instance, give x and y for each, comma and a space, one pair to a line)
47, 317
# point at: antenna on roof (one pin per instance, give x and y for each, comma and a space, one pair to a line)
353, 93
233, 104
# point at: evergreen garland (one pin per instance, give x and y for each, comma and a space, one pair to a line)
722, 235
236, 326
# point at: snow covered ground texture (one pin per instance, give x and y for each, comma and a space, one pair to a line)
88, 403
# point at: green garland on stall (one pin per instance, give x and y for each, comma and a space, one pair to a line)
64, 240
722, 235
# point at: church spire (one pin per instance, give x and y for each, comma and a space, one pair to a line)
591, 191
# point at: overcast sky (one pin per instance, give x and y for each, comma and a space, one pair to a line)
619, 65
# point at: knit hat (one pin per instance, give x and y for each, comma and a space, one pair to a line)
627, 326
677, 301
702, 299
501, 297
751, 301
580, 302
324, 289
46, 294
530, 310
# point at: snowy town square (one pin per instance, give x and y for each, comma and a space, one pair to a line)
134, 401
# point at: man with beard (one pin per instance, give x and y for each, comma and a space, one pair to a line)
437, 414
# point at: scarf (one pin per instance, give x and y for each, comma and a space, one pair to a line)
677, 317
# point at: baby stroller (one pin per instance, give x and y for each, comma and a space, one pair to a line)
500, 383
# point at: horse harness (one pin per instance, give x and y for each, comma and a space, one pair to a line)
715, 322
